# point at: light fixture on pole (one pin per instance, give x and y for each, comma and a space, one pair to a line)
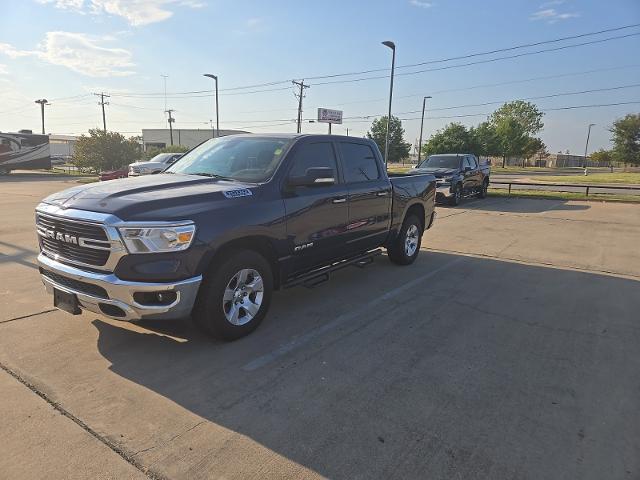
392, 46
424, 101
42, 102
215, 77
587, 144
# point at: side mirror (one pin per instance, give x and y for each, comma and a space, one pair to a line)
314, 177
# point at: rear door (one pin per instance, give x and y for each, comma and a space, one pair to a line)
317, 216
369, 195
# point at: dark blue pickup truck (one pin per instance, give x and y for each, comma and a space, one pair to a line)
458, 175
230, 222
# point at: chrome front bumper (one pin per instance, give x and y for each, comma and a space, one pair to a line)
120, 293
444, 190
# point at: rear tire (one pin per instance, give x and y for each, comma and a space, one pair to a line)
234, 297
406, 246
456, 198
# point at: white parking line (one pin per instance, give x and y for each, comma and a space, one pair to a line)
345, 317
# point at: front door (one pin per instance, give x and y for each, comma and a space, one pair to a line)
317, 216
469, 182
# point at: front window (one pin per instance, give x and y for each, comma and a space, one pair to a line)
441, 161
247, 159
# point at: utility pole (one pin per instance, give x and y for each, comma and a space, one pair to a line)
171, 120
424, 101
42, 102
102, 103
300, 96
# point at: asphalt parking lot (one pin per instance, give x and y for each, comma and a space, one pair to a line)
508, 350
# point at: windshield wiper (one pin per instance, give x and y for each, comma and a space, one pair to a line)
212, 175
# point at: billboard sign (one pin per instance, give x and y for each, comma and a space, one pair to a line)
326, 115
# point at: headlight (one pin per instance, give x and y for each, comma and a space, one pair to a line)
170, 238
445, 180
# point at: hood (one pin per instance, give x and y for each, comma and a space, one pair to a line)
155, 197
438, 172
149, 164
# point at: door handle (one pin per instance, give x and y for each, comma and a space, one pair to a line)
339, 200
382, 194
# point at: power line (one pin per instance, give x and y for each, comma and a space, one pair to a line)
495, 102
478, 54
428, 62
499, 84
478, 62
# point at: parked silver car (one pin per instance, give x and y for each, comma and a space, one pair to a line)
155, 165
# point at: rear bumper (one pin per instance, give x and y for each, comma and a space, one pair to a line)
106, 294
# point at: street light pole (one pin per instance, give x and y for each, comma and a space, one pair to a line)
587, 144
392, 46
215, 77
424, 101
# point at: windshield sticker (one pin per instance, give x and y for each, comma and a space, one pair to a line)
240, 192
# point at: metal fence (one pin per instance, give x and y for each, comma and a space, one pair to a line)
562, 187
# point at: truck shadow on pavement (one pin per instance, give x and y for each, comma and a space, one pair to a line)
519, 205
485, 369
21, 256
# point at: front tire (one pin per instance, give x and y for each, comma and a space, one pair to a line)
456, 198
235, 296
406, 246
483, 189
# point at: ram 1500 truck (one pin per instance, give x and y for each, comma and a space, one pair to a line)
458, 175
234, 219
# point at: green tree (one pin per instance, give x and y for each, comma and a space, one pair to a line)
102, 151
152, 152
603, 157
626, 139
398, 148
534, 146
512, 138
485, 140
525, 113
453, 138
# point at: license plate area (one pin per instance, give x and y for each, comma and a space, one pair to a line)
66, 301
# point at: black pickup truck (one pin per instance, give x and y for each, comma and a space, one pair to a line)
458, 175
234, 219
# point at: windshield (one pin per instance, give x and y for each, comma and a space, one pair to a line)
162, 157
249, 159
441, 161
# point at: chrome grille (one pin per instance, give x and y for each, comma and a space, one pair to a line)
91, 245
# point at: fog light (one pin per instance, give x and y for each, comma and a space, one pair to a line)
155, 298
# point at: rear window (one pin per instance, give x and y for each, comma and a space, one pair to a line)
360, 164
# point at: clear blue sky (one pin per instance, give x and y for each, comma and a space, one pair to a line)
57, 49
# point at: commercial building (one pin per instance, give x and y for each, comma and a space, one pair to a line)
161, 137
62, 145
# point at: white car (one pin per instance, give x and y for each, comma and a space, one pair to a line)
155, 165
